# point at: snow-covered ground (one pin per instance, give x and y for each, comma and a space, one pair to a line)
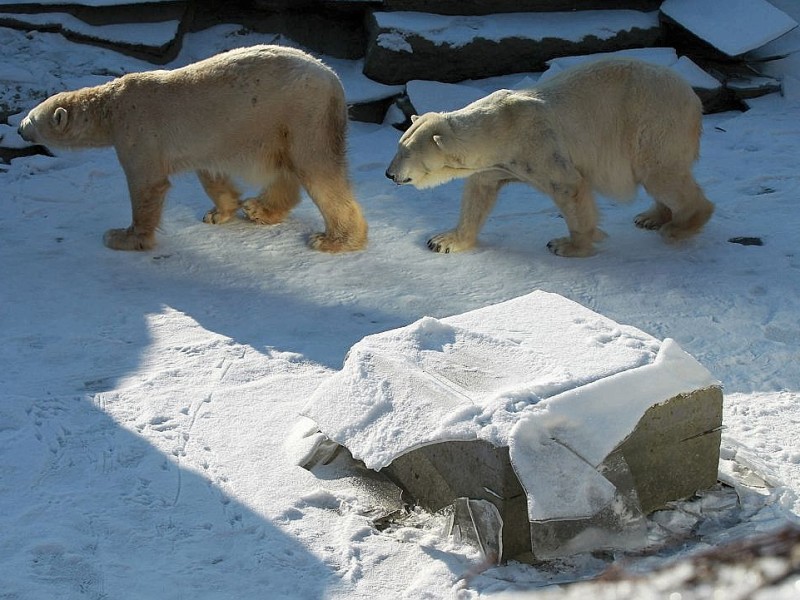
149, 403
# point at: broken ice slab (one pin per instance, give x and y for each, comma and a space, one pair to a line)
572, 425
478, 522
731, 26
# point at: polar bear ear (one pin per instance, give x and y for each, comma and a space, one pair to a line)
59, 118
439, 141
414, 118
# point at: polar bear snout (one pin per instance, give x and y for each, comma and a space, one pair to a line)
26, 130
394, 177
399, 170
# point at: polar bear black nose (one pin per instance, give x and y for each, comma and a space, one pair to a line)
394, 178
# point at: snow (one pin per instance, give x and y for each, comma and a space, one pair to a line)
458, 31
732, 26
148, 400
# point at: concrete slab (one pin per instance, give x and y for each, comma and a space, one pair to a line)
732, 26
406, 45
571, 425
151, 40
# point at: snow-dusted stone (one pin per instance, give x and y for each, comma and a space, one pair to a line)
731, 26
485, 7
753, 86
572, 425
407, 45
156, 41
367, 100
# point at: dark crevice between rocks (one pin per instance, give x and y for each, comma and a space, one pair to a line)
9, 154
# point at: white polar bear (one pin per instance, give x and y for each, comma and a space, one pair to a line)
607, 126
272, 115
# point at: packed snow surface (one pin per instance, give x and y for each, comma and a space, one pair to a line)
149, 400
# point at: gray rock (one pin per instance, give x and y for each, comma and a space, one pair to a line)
485, 7
406, 46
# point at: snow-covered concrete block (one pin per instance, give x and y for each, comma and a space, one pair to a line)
731, 26
485, 7
406, 45
152, 40
572, 425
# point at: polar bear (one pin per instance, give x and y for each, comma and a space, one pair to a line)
606, 127
273, 116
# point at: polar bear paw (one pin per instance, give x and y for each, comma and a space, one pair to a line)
654, 218
217, 217
326, 243
127, 239
447, 242
565, 246
257, 212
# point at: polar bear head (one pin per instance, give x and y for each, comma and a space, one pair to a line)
66, 120
429, 153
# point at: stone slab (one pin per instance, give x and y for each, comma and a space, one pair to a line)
485, 7
732, 26
154, 40
405, 45
550, 412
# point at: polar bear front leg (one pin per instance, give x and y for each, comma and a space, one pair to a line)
579, 210
478, 199
147, 203
223, 192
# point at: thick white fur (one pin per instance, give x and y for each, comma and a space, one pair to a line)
271, 115
607, 127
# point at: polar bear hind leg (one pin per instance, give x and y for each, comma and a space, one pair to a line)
275, 202
654, 218
223, 192
345, 227
681, 208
